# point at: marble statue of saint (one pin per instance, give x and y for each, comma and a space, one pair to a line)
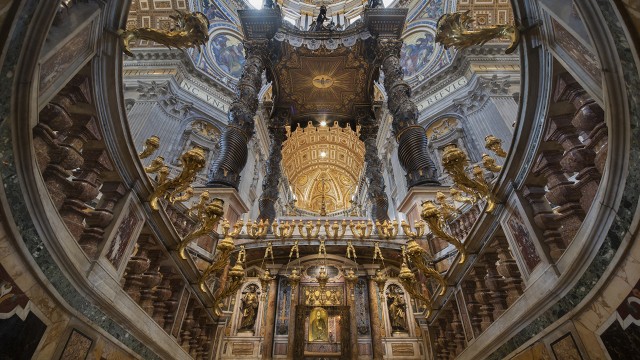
249, 309
318, 327
397, 312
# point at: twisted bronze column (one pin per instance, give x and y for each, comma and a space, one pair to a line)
373, 171
269, 196
226, 169
411, 137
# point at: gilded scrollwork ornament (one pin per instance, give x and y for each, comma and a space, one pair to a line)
224, 249
494, 144
419, 256
489, 163
208, 219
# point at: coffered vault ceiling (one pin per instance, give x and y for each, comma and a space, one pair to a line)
323, 164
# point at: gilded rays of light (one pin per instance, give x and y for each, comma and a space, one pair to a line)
331, 71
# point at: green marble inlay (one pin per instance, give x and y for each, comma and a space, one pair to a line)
20, 212
624, 213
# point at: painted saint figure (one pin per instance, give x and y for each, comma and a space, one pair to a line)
318, 325
249, 309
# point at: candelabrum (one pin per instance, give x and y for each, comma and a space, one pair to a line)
294, 278
455, 30
233, 284
431, 215
158, 166
494, 144
186, 195
351, 278
150, 146
283, 230
322, 278
361, 230
455, 162
192, 162
258, 229
419, 256
380, 279
335, 231
489, 163
265, 280
447, 208
223, 253
387, 230
408, 281
309, 231
456, 195
208, 218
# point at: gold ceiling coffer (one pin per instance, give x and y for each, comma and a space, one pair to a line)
191, 31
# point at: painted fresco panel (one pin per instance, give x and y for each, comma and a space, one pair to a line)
228, 53
124, 234
523, 241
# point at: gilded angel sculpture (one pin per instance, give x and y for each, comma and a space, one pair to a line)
192, 30
454, 30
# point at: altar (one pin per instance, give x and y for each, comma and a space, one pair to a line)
324, 332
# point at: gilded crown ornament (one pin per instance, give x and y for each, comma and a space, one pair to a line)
494, 144
150, 146
432, 216
455, 162
454, 30
191, 31
208, 219
192, 162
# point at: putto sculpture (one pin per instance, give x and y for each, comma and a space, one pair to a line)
455, 30
191, 31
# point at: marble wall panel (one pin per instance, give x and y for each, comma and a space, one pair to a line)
621, 338
284, 307
362, 308
77, 346
566, 348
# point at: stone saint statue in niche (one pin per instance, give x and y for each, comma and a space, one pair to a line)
318, 325
397, 311
249, 309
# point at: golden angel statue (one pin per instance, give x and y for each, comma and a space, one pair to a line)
454, 30
192, 30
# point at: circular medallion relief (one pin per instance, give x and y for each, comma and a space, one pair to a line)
322, 81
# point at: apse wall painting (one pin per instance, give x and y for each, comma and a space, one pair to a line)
416, 53
228, 52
